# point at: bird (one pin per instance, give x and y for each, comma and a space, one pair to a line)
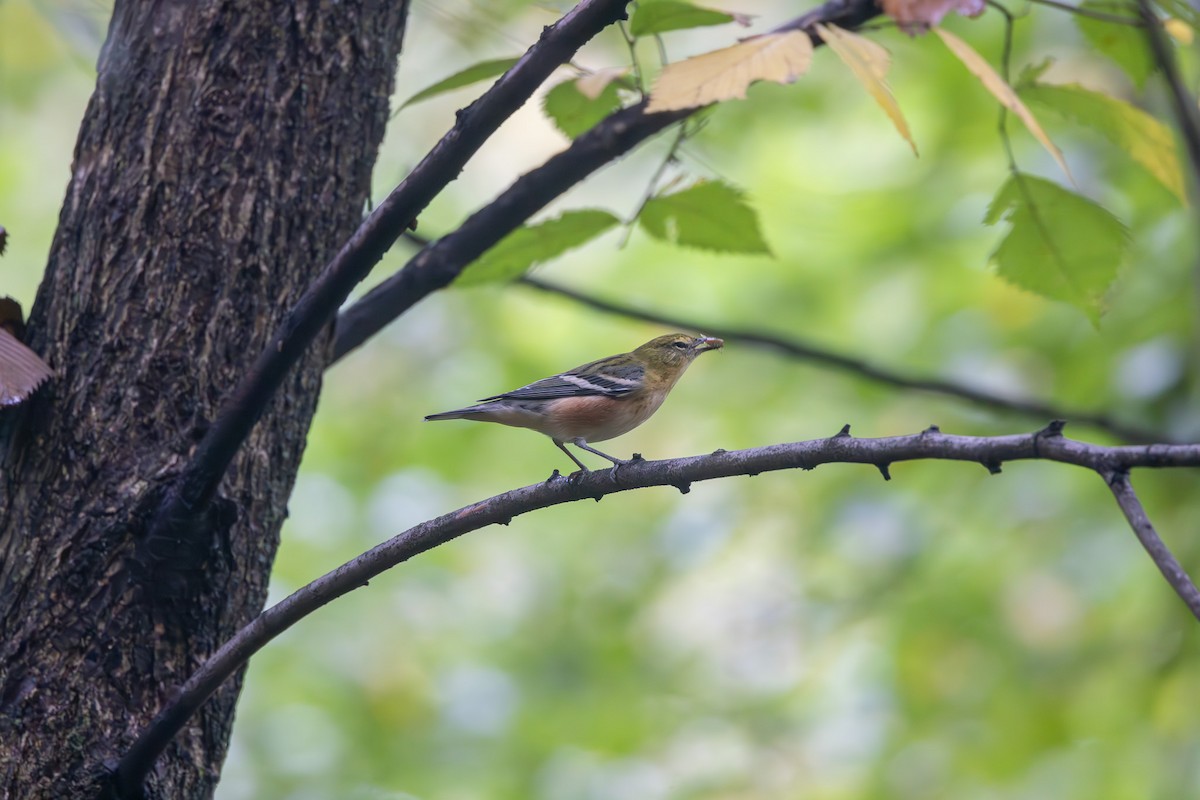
593, 402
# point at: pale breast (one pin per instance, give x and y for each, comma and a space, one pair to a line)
596, 418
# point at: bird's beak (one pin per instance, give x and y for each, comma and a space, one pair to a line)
703, 343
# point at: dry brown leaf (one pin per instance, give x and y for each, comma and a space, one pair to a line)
21, 370
726, 74
1001, 91
590, 86
919, 15
870, 63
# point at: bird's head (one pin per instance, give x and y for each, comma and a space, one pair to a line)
676, 350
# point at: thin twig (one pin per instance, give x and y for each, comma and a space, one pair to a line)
1048, 444
1184, 104
631, 42
1166, 562
856, 366
1187, 115
1116, 19
680, 135
192, 492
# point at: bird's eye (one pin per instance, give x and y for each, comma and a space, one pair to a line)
680, 345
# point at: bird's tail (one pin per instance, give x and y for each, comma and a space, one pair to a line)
458, 413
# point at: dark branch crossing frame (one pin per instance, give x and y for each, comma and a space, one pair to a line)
184, 514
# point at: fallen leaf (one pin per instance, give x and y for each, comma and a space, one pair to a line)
870, 63
1001, 91
726, 74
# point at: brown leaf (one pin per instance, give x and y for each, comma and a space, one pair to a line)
870, 63
21, 370
726, 74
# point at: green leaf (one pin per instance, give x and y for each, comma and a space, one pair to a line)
1061, 245
1146, 140
709, 215
660, 16
472, 74
573, 112
1124, 44
530, 245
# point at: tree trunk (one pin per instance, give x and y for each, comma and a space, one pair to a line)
225, 155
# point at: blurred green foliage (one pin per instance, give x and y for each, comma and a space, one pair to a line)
825, 635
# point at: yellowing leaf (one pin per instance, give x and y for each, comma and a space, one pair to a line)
870, 63
726, 74
591, 86
1139, 135
1179, 30
1001, 91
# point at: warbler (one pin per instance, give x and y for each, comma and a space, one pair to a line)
596, 401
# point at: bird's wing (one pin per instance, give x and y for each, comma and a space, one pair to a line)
598, 378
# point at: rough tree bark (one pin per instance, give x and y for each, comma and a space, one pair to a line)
224, 156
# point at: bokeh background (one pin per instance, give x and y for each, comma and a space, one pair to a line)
825, 634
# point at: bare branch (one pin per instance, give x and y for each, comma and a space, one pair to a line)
1186, 112
439, 263
856, 366
1048, 444
196, 486
1127, 499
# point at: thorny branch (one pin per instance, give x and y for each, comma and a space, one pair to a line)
1112, 463
1171, 569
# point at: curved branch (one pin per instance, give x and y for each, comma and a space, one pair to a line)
612, 137
1048, 444
197, 484
1170, 568
856, 366
438, 264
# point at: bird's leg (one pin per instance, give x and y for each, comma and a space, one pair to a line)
571, 455
581, 444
